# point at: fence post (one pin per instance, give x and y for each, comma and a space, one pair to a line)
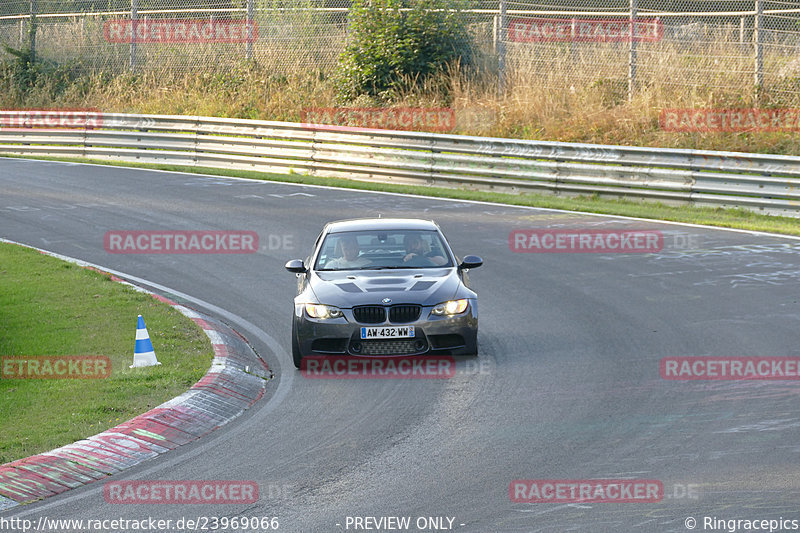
250, 12
759, 40
634, 13
741, 31
134, 18
501, 50
573, 29
32, 31
495, 32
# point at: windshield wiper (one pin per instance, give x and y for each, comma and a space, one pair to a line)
390, 267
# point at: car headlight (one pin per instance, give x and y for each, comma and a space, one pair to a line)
323, 311
453, 307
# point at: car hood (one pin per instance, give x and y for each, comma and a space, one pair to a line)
426, 286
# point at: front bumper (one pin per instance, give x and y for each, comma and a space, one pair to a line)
455, 335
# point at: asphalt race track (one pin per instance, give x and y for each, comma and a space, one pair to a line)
566, 387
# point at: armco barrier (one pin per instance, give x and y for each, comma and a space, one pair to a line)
766, 183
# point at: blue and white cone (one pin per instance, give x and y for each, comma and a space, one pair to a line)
143, 354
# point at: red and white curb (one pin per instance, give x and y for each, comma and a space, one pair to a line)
236, 380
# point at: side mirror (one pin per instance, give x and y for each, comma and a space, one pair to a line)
470, 261
296, 265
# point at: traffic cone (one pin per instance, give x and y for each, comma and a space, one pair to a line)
143, 354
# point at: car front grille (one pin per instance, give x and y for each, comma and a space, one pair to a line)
369, 314
376, 314
404, 314
392, 347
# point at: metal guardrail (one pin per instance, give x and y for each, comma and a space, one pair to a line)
764, 183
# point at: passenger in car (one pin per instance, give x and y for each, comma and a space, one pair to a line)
418, 249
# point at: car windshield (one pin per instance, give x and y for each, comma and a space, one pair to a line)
377, 250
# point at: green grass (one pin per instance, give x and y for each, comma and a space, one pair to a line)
51, 307
722, 217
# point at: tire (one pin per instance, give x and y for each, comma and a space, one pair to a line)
296, 355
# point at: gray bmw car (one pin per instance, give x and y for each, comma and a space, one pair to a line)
383, 287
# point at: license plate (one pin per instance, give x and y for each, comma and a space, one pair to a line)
387, 333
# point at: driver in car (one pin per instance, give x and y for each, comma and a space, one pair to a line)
350, 255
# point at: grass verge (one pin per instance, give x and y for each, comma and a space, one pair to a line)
51, 307
720, 217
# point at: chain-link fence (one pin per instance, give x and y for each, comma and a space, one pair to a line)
730, 46
747, 47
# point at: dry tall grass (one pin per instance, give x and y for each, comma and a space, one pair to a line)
555, 91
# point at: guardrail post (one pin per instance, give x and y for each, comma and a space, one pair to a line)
434, 151
634, 13
501, 49
134, 17
314, 132
198, 123
758, 37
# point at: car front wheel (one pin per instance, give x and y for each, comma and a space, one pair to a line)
296, 355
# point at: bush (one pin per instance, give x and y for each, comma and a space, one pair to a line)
27, 78
388, 46
21, 69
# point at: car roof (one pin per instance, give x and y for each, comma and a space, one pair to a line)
365, 224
